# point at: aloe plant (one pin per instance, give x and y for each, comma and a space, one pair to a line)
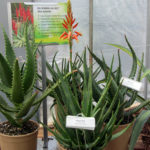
75, 81
78, 139
124, 91
145, 114
17, 82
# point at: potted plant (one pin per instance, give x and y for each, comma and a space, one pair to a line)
74, 105
123, 93
17, 82
143, 117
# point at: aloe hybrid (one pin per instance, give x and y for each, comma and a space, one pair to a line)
17, 82
78, 139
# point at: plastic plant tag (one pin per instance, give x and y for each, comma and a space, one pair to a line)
135, 85
86, 123
94, 103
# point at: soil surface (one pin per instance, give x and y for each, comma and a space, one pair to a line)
8, 129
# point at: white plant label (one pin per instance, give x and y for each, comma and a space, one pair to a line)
86, 123
135, 85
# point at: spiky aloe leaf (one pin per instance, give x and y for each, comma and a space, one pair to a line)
30, 66
50, 90
4, 106
26, 106
10, 54
116, 135
5, 89
10, 117
31, 114
17, 95
138, 108
119, 72
127, 51
5, 72
134, 65
87, 90
138, 126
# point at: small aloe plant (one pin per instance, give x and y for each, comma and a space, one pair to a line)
17, 83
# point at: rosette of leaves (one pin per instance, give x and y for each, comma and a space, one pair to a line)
17, 82
75, 81
78, 139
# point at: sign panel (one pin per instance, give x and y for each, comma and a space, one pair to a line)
48, 19
44, 22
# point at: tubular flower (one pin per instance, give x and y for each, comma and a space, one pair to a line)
69, 25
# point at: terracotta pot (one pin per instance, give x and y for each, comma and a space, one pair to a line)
120, 143
21, 142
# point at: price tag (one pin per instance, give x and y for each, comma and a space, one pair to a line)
135, 85
87, 123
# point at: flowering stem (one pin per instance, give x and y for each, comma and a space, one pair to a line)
70, 47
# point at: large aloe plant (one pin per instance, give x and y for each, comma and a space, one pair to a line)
17, 82
145, 114
124, 91
76, 139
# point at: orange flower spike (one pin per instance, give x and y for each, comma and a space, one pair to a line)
75, 25
65, 33
78, 33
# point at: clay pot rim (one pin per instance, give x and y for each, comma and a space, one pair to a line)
24, 135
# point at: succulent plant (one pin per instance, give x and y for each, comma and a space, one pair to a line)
17, 83
124, 91
77, 138
144, 114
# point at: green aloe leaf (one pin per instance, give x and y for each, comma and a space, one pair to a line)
26, 106
30, 67
126, 50
140, 121
5, 72
17, 95
114, 136
10, 54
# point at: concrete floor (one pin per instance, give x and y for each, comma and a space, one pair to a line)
52, 144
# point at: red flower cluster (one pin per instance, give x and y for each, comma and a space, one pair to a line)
69, 26
22, 16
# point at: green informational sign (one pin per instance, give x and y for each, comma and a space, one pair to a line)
44, 22
48, 19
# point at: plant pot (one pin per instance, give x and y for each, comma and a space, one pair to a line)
19, 142
120, 143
